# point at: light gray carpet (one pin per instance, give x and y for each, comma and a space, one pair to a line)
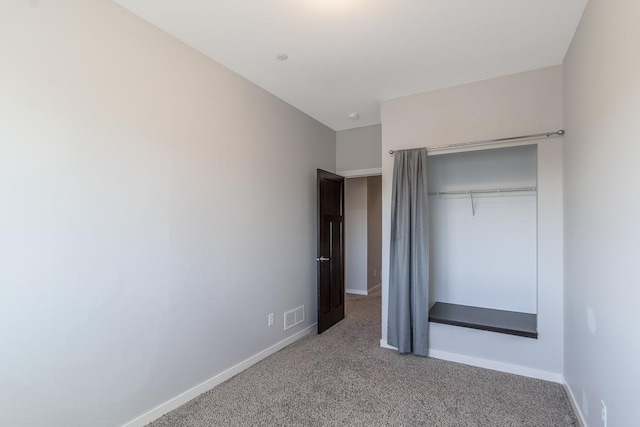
343, 377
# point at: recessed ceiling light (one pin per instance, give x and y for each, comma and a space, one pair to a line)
353, 116
282, 57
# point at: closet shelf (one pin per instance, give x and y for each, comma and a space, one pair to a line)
486, 319
483, 191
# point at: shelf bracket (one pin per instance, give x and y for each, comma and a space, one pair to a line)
473, 208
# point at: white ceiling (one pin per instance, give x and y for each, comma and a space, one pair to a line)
347, 55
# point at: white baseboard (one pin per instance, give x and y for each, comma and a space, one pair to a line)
497, 366
375, 288
491, 364
365, 293
574, 404
207, 385
383, 344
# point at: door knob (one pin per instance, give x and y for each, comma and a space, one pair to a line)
322, 259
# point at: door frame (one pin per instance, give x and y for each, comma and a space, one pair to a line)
360, 173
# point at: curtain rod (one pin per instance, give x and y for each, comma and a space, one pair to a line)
493, 141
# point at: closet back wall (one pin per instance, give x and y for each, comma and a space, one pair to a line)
491, 260
518, 104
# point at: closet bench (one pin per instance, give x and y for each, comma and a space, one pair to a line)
486, 319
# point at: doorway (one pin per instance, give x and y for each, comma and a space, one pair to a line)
349, 247
363, 235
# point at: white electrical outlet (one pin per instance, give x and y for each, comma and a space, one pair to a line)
272, 319
604, 413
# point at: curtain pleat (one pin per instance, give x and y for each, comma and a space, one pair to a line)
407, 327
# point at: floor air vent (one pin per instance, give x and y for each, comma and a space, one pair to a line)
293, 317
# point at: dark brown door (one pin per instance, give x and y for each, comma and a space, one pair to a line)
330, 250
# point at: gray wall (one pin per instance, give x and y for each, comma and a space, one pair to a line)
148, 221
355, 235
374, 230
518, 104
363, 246
602, 236
359, 148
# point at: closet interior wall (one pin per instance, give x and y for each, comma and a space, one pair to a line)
485, 256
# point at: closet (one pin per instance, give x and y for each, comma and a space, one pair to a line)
483, 239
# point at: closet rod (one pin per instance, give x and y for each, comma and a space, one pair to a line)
485, 191
492, 141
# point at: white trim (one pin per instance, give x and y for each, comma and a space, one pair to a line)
383, 344
470, 148
374, 289
497, 366
365, 293
491, 364
574, 404
361, 172
207, 385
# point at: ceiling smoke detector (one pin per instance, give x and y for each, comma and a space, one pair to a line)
282, 57
353, 116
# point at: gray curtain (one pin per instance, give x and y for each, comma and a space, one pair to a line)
407, 327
